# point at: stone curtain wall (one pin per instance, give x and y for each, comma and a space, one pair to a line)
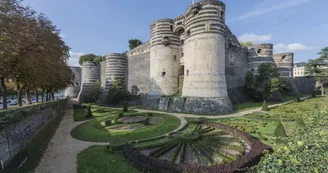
138, 73
305, 85
14, 136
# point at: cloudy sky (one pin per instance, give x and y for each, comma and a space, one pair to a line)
103, 26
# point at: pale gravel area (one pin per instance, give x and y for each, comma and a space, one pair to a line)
61, 153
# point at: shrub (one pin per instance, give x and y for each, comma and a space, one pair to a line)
297, 99
265, 106
300, 122
89, 113
146, 122
280, 130
150, 114
108, 122
120, 115
125, 108
314, 95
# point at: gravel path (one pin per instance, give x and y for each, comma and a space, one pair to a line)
61, 154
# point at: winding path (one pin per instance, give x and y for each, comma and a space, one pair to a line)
61, 153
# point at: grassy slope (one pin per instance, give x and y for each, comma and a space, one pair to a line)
37, 146
96, 159
88, 132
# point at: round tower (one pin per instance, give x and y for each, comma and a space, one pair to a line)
259, 54
204, 55
164, 58
90, 75
204, 50
116, 67
74, 90
264, 50
285, 63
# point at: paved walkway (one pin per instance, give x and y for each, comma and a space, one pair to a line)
61, 154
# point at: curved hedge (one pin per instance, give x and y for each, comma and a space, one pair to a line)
251, 158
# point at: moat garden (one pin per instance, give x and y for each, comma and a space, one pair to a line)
292, 136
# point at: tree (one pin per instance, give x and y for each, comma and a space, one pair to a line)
133, 43
315, 68
246, 44
118, 93
89, 57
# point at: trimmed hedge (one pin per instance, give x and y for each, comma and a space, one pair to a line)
145, 163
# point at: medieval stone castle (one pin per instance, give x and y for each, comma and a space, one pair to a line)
194, 54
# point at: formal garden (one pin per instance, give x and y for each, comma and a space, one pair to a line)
147, 142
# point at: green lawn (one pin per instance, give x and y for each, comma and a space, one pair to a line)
80, 113
95, 132
37, 145
96, 159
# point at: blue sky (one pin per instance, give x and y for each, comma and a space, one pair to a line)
103, 26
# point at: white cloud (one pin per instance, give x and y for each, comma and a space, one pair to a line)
279, 48
255, 38
268, 6
74, 59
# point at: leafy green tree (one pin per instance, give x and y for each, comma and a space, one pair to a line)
133, 43
118, 93
249, 81
316, 68
246, 44
90, 57
268, 71
125, 108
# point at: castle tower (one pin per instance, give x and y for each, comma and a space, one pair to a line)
74, 90
259, 54
164, 58
285, 64
90, 75
116, 67
204, 57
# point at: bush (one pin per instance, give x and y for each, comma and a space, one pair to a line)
314, 95
146, 122
108, 122
120, 115
150, 114
89, 113
125, 108
297, 99
300, 122
265, 106
280, 130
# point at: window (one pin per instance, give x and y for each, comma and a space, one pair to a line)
231, 59
175, 57
182, 54
171, 28
222, 13
187, 72
188, 32
259, 51
182, 42
163, 73
180, 23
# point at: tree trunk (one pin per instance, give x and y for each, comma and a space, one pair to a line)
42, 95
36, 96
322, 89
19, 96
4, 94
28, 96
53, 95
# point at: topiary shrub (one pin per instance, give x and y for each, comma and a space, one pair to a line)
89, 113
120, 115
146, 122
300, 122
280, 130
125, 108
108, 122
297, 99
265, 106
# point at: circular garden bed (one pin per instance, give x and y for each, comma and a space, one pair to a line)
129, 127
205, 147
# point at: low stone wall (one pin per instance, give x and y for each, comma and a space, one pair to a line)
251, 158
189, 104
24, 123
305, 85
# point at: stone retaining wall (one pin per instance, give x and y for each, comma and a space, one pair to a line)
14, 136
